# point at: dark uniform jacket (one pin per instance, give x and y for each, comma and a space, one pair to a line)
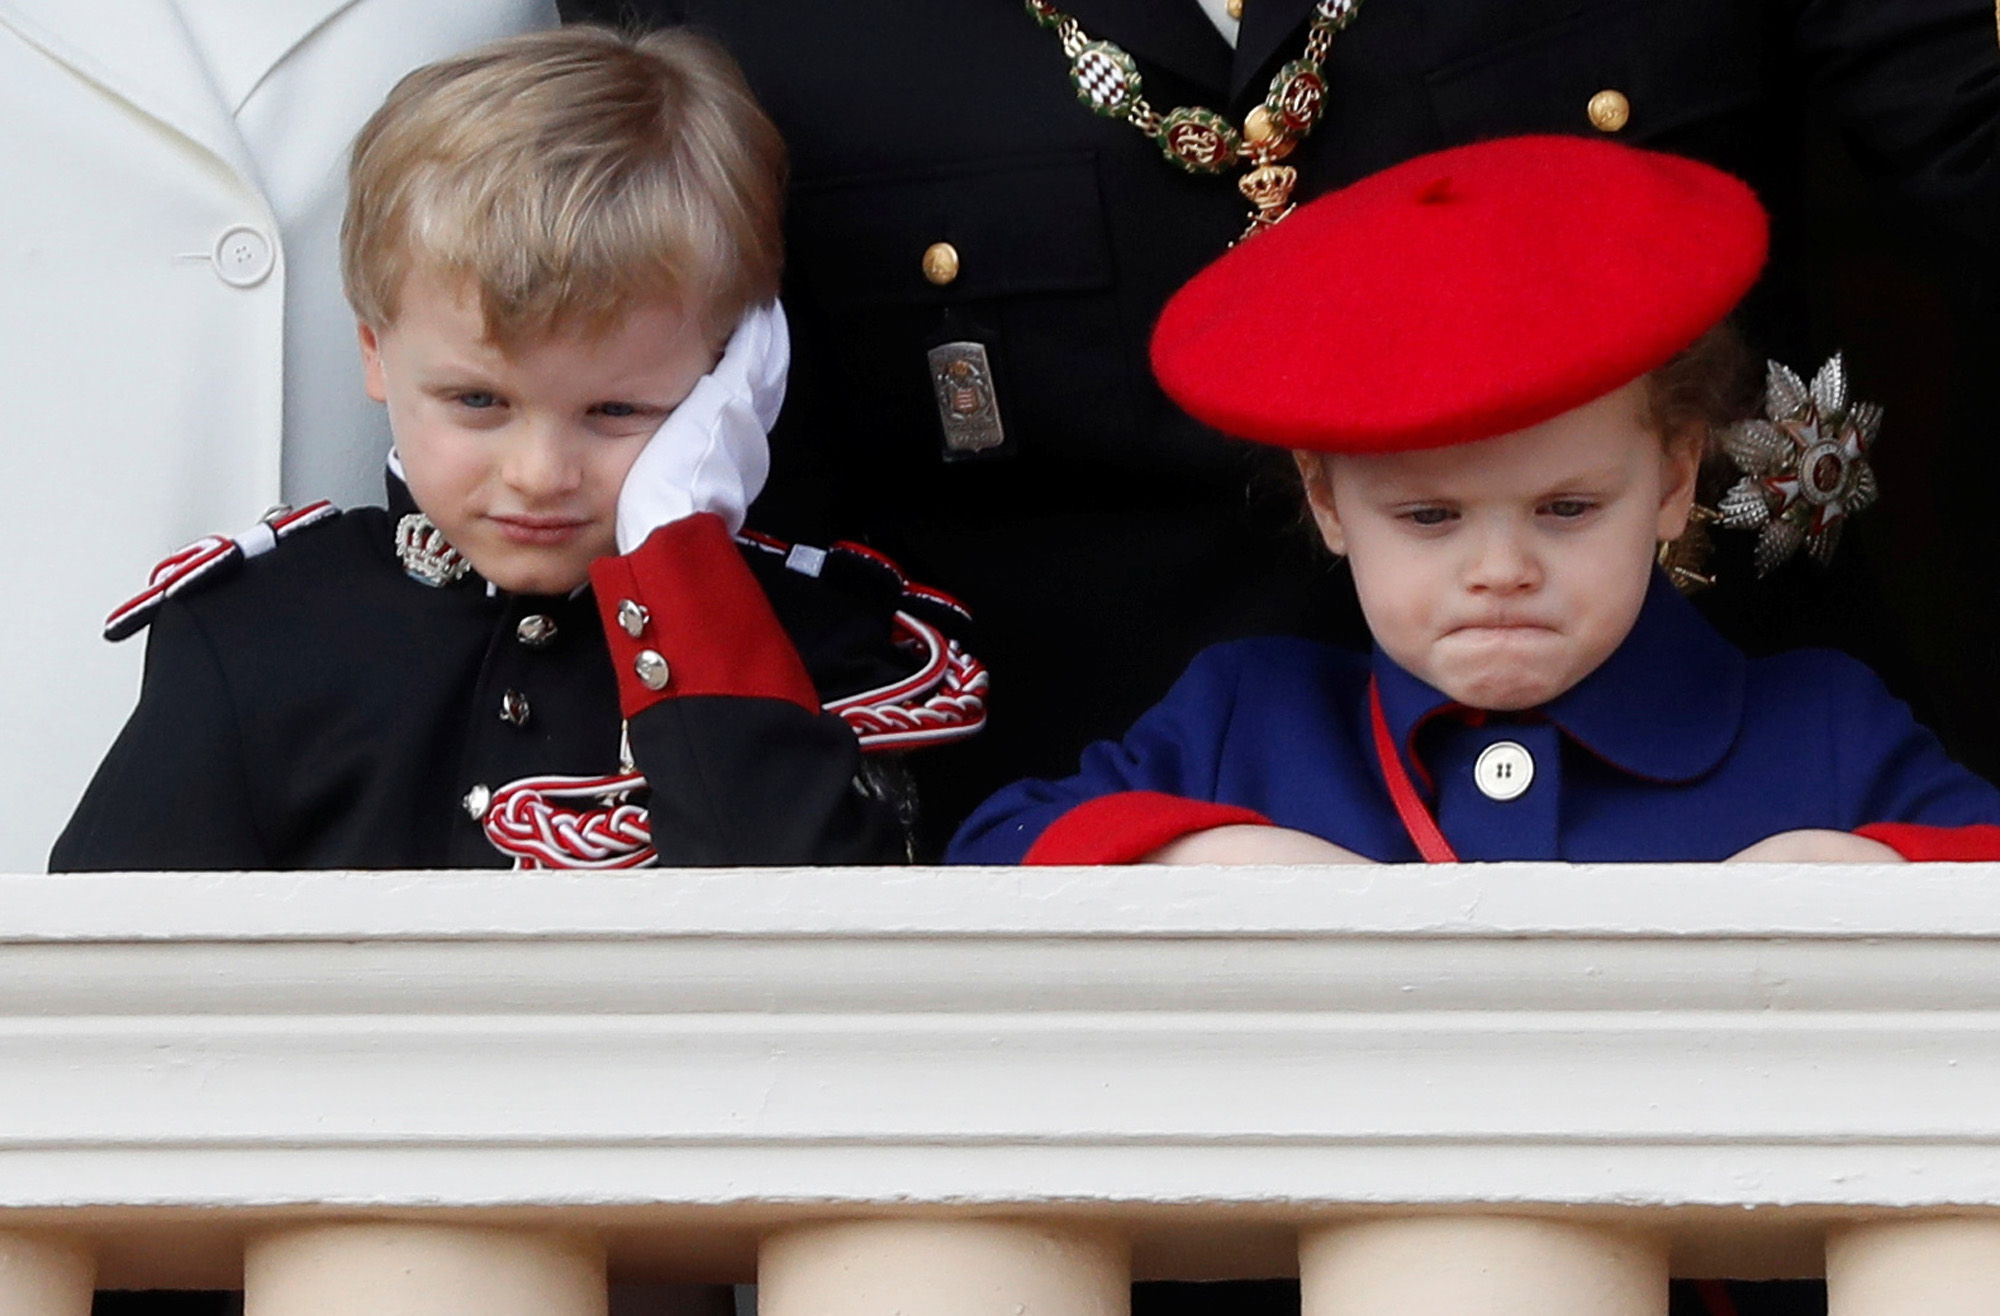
1112, 537
324, 709
1676, 748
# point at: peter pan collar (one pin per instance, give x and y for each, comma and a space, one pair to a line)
1665, 706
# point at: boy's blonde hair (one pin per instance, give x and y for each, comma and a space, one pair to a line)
567, 176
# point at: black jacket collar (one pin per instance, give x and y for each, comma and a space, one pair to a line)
396, 495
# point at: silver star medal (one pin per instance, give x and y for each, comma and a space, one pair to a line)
1805, 465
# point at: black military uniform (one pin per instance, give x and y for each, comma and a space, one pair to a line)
325, 709
1110, 537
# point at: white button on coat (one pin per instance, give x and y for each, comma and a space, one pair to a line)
1504, 771
244, 256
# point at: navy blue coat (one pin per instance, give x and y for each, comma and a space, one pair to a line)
1677, 748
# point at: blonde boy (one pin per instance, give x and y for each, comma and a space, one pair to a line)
563, 253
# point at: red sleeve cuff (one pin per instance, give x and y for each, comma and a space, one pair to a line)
1920, 844
1128, 826
702, 623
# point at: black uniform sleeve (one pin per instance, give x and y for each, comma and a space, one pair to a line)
720, 705
173, 792
1916, 84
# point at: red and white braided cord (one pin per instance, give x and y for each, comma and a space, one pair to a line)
526, 820
944, 700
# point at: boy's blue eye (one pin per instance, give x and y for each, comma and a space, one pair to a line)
618, 409
1568, 508
477, 401
1430, 515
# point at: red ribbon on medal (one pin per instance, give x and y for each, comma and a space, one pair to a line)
1417, 820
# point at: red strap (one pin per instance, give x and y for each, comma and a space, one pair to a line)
1417, 820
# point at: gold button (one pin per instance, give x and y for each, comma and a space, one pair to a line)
940, 263
1609, 111
1235, 8
651, 669
632, 618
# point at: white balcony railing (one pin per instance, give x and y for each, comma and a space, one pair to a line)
981, 1092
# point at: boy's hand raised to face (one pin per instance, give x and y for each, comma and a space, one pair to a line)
1813, 845
713, 453
1252, 843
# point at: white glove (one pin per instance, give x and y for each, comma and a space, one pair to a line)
713, 453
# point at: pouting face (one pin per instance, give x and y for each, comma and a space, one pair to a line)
518, 457
1504, 572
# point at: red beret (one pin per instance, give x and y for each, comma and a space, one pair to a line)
1461, 295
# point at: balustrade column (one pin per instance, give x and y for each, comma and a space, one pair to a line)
42, 1275
1914, 1267
1479, 1266
943, 1268
367, 1269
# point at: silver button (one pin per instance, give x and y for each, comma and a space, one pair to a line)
537, 632
244, 256
632, 618
476, 801
651, 668
1504, 771
514, 708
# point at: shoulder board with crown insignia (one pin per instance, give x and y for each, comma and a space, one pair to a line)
943, 697
209, 559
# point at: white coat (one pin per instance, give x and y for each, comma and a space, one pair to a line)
171, 179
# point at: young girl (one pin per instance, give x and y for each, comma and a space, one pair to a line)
1482, 361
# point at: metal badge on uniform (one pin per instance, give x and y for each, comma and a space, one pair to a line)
968, 404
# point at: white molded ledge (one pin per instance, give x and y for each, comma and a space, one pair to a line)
1175, 1046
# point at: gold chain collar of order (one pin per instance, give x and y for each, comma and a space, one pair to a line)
1199, 140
